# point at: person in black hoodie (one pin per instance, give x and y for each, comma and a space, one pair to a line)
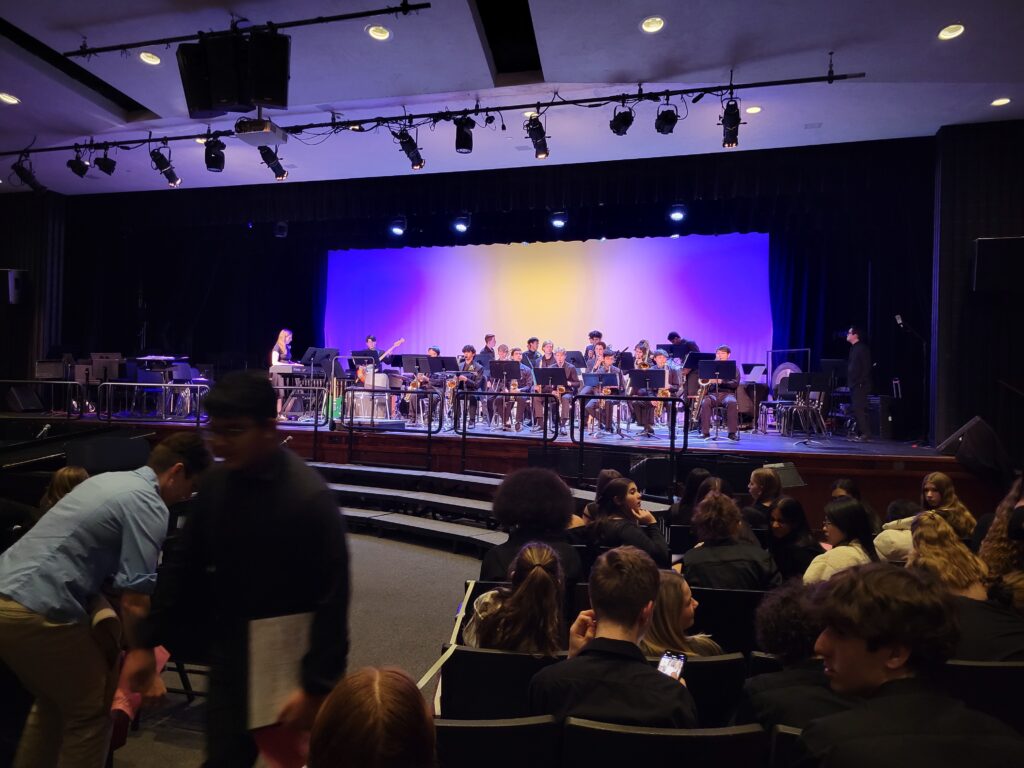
858, 377
792, 544
621, 520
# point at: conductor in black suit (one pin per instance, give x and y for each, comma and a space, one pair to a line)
858, 376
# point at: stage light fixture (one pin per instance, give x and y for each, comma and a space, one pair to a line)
78, 166
730, 122
271, 161
535, 131
677, 212
214, 155
464, 134
666, 120
9, 98
408, 145
461, 224
23, 170
621, 120
397, 226
559, 219
162, 163
106, 163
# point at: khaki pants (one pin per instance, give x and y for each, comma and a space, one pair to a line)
70, 670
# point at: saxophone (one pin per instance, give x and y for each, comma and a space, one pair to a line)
702, 392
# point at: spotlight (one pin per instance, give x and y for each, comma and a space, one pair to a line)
78, 166
106, 164
270, 159
162, 163
621, 121
666, 120
23, 170
214, 154
397, 226
677, 212
408, 145
730, 122
464, 134
536, 133
559, 219
461, 224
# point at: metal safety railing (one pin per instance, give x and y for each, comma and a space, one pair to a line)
137, 401
461, 408
362, 404
43, 398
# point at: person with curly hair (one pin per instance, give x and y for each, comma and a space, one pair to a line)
532, 504
527, 617
938, 495
787, 627
674, 613
1001, 552
721, 560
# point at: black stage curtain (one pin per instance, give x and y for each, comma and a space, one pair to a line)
850, 229
979, 361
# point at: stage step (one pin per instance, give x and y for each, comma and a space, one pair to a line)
415, 501
478, 539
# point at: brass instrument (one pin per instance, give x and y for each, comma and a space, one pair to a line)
413, 385
705, 386
659, 406
513, 386
560, 390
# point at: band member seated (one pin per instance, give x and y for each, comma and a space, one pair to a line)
590, 357
526, 383
470, 378
643, 411
600, 409
720, 392
546, 360
559, 417
646, 413
497, 404
426, 382
593, 364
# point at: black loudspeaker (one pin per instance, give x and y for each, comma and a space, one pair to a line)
269, 69
978, 448
879, 415
21, 399
227, 62
195, 80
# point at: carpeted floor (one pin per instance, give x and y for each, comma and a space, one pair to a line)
404, 599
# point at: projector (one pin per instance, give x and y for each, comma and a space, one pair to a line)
259, 132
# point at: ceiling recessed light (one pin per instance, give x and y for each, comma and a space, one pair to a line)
1001, 102
149, 58
378, 32
9, 98
953, 30
753, 110
652, 24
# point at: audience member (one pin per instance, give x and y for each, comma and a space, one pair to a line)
792, 545
621, 520
721, 561
1001, 552
847, 486
1010, 589
61, 484
265, 539
604, 477
848, 531
901, 508
938, 495
682, 510
989, 631
674, 613
888, 631
764, 488
109, 531
787, 626
534, 505
528, 617
710, 484
374, 718
606, 677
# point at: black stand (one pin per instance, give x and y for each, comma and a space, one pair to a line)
503, 372
446, 367
716, 370
805, 384
597, 382
552, 378
649, 380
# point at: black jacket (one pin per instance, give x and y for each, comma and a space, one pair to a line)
988, 631
858, 369
499, 559
793, 696
730, 565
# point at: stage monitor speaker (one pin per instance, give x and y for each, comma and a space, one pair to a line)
227, 66
978, 448
195, 80
879, 415
21, 399
269, 69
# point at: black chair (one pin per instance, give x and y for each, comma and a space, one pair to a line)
513, 743
589, 743
762, 663
728, 616
680, 539
569, 609
992, 687
784, 739
715, 683
478, 684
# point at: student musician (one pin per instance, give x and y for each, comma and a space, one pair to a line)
546, 360
598, 408
572, 377
372, 351
720, 392
531, 355
281, 354
643, 411
488, 350
496, 404
426, 382
590, 357
470, 379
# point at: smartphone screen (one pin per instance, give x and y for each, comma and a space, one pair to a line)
672, 664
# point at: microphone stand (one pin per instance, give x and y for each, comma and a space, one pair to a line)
923, 439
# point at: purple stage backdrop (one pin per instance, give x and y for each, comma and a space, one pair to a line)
713, 289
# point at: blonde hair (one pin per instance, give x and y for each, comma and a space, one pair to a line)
61, 484
939, 551
281, 345
665, 632
950, 506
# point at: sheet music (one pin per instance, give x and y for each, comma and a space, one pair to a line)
276, 648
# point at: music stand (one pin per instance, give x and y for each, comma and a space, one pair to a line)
575, 358
625, 361
599, 380
443, 365
676, 351
308, 355
416, 363
504, 371
716, 369
550, 377
648, 378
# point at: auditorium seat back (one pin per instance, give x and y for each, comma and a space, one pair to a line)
993, 687
478, 684
784, 739
728, 616
526, 742
715, 683
762, 663
589, 743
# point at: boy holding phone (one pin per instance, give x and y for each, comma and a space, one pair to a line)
606, 676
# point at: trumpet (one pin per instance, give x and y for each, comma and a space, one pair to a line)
513, 386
